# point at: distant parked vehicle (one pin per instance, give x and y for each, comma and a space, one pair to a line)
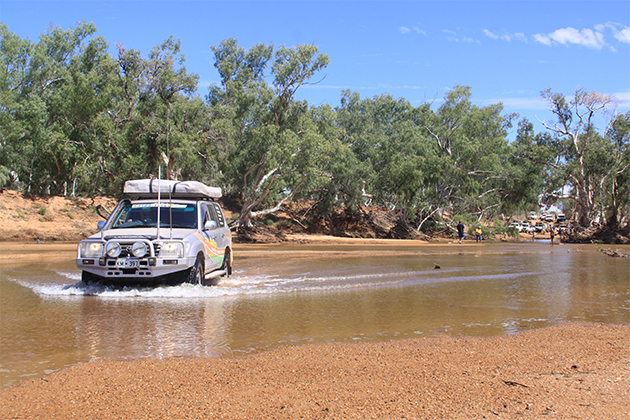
532, 215
560, 217
517, 225
540, 227
549, 218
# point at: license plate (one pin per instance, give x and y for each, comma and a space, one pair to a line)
127, 263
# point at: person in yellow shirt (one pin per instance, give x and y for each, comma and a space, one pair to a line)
479, 233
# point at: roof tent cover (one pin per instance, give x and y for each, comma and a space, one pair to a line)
174, 189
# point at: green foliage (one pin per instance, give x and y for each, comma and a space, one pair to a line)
75, 120
513, 232
5, 175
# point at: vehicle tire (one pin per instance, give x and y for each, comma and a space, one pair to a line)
196, 274
227, 264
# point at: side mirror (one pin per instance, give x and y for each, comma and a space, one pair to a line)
210, 225
101, 224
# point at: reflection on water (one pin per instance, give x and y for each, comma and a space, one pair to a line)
300, 294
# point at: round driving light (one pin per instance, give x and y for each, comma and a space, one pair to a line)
139, 249
113, 249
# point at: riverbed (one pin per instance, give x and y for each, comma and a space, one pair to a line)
283, 295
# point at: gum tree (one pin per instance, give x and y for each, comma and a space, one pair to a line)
583, 154
275, 149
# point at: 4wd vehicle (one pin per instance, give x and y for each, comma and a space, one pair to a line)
187, 240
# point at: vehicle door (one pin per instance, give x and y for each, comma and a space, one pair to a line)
212, 230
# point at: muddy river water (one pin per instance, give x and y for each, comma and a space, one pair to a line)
288, 295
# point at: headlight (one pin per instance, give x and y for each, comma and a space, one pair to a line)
172, 249
113, 249
91, 249
139, 249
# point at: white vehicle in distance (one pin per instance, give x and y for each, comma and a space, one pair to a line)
532, 215
187, 240
517, 225
527, 227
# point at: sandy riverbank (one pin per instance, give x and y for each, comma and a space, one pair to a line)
577, 371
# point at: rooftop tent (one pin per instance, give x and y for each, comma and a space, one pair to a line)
148, 188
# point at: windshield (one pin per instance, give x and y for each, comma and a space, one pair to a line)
140, 215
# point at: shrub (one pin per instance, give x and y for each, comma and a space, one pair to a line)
513, 232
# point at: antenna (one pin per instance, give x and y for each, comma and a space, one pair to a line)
158, 209
170, 209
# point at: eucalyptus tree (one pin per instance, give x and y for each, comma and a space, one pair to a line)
53, 91
275, 148
582, 155
341, 186
469, 157
161, 120
382, 134
617, 185
528, 179
15, 55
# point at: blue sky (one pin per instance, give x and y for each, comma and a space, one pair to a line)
506, 51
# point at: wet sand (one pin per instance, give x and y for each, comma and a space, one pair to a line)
577, 371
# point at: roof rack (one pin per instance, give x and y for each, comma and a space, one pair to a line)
148, 188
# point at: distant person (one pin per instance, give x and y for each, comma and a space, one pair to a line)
479, 233
552, 233
460, 231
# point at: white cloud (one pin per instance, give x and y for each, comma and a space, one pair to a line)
590, 38
419, 31
454, 36
543, 39
406, 30
585, 37
490, 34
623, 99
623, 35
520, 36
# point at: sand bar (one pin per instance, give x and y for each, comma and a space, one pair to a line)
577, 371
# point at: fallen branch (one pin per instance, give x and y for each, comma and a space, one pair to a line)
512, 383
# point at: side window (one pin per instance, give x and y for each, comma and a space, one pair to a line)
208, 215
219, 213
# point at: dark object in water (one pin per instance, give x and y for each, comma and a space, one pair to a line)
437, 267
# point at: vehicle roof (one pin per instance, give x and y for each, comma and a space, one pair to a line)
149, 188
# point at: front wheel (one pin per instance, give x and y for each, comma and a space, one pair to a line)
227, 264
196, 274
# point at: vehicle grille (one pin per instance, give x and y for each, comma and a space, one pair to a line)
125, 250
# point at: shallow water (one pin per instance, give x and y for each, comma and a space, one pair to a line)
282, 295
